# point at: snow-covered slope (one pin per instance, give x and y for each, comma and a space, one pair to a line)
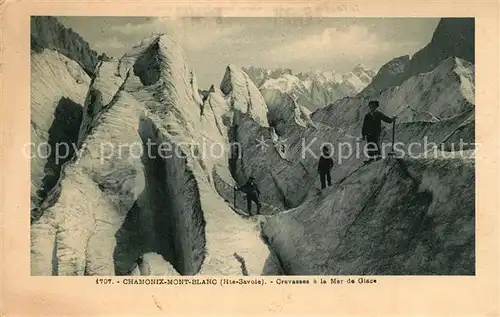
117, 202
58, 89
391, 217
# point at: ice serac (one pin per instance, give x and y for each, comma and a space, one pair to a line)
105, 85
143, 183
210, 238
244, 95
244, 130
392, 217
92, 199
58, 89
441, 94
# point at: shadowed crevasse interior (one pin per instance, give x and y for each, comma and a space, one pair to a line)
63, 135
174, 201
147, 66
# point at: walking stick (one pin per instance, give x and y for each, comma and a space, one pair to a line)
234, 197
392, 153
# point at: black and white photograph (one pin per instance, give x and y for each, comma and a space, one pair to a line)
259, 146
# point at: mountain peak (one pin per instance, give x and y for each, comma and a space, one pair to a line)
260, 75
48, 32
453, 37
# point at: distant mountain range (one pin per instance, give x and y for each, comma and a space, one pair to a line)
314, 89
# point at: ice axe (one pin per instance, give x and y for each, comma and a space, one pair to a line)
392, 153
234, 196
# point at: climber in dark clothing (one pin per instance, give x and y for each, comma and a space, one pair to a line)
371, 130
252, 191
205, 95
325, 165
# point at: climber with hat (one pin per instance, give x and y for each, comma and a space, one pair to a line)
252, 192
325, 165
371, 129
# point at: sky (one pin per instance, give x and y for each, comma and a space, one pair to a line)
301, 44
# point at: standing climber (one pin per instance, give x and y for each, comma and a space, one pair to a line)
202, 105
325, 165
372, 128
205, 95
253, 193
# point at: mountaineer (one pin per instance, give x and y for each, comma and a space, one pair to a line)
205, 97
252, 192
371, 130
325, 165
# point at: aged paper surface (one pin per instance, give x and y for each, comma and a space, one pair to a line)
471, 290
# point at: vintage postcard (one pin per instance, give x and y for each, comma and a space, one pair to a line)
250, 158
